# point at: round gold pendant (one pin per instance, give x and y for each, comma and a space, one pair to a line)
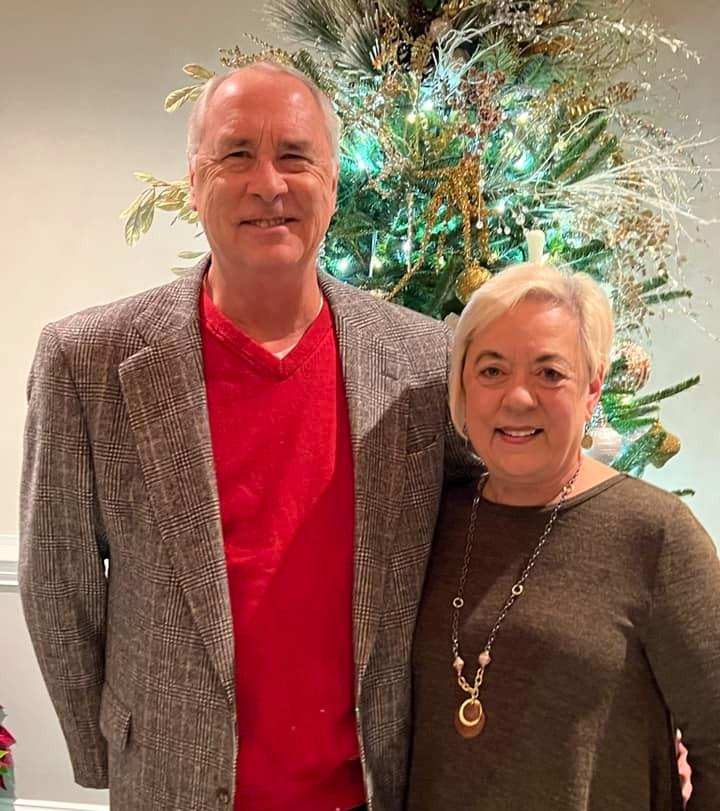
470, 718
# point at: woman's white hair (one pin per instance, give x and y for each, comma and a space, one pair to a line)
578, 293
196, 123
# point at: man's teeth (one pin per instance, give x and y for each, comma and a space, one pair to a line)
519, 433
269, 223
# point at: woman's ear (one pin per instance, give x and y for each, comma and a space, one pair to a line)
594, 391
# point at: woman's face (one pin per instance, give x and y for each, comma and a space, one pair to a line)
527, 397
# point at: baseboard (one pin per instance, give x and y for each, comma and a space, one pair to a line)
44, 805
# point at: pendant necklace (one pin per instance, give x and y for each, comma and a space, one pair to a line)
470, 716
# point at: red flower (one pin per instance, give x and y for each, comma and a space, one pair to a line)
6, 739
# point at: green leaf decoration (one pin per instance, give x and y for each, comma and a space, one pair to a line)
171, 198
147, 178
139, 216
198, 72
177, 98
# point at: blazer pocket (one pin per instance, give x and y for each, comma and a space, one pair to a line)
418, 448
114, 720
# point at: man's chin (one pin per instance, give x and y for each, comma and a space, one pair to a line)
273, 259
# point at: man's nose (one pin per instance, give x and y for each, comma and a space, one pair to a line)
266, 182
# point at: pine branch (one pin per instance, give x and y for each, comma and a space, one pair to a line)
499, 54
444, 285
627, 413
359, 43
670, 391
578, 148
672, 295
636, 456
596, 160
311, 21
653, 283
583, 258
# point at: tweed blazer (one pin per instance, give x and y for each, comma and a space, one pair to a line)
122, 569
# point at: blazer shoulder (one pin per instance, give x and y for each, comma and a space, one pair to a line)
108, 333
416, 335
119, 316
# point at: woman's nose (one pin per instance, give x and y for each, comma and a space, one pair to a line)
519, 395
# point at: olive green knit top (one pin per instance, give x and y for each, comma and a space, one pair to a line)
614, 642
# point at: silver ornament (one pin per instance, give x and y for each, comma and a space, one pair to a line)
606, 443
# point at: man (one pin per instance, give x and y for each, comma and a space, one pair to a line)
257, 451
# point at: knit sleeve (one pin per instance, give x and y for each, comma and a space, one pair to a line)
683, 644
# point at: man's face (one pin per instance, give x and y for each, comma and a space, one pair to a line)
264, 179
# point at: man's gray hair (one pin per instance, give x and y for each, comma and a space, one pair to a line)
196, 123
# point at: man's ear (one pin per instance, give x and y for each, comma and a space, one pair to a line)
192, 202
336, 178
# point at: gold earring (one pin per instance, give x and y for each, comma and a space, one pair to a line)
587, 441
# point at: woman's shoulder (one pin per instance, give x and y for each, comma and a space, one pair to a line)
632, 507
644, 498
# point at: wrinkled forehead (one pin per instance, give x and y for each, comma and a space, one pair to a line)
256, 105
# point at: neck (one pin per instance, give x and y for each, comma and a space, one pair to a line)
274, 308
534, 494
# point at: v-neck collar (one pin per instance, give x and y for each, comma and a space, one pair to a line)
246, 348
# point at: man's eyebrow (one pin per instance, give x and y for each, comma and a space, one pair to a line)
296, 145
290, 145
234, 143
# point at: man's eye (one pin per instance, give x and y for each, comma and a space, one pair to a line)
293, 156
241, 153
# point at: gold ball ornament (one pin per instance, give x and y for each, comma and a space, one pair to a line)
637, 366
452, 7
669, 447
470, 280
439, 26
542, 12
460, 56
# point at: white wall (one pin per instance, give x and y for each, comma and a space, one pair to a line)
682, 349
83, 85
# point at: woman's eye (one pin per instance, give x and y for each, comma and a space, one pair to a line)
552, 375
491, 372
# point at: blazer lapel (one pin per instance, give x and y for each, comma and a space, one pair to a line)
164, 392
378, 411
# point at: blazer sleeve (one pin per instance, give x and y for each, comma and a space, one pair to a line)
61, 571
683, 646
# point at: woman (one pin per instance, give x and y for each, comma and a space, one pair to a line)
571, 615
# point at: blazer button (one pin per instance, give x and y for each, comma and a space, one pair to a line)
223, 796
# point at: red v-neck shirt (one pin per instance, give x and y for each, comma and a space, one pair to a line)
283, 461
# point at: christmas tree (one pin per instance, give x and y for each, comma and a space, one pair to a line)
468, 123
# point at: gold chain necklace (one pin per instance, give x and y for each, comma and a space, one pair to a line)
470, 717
